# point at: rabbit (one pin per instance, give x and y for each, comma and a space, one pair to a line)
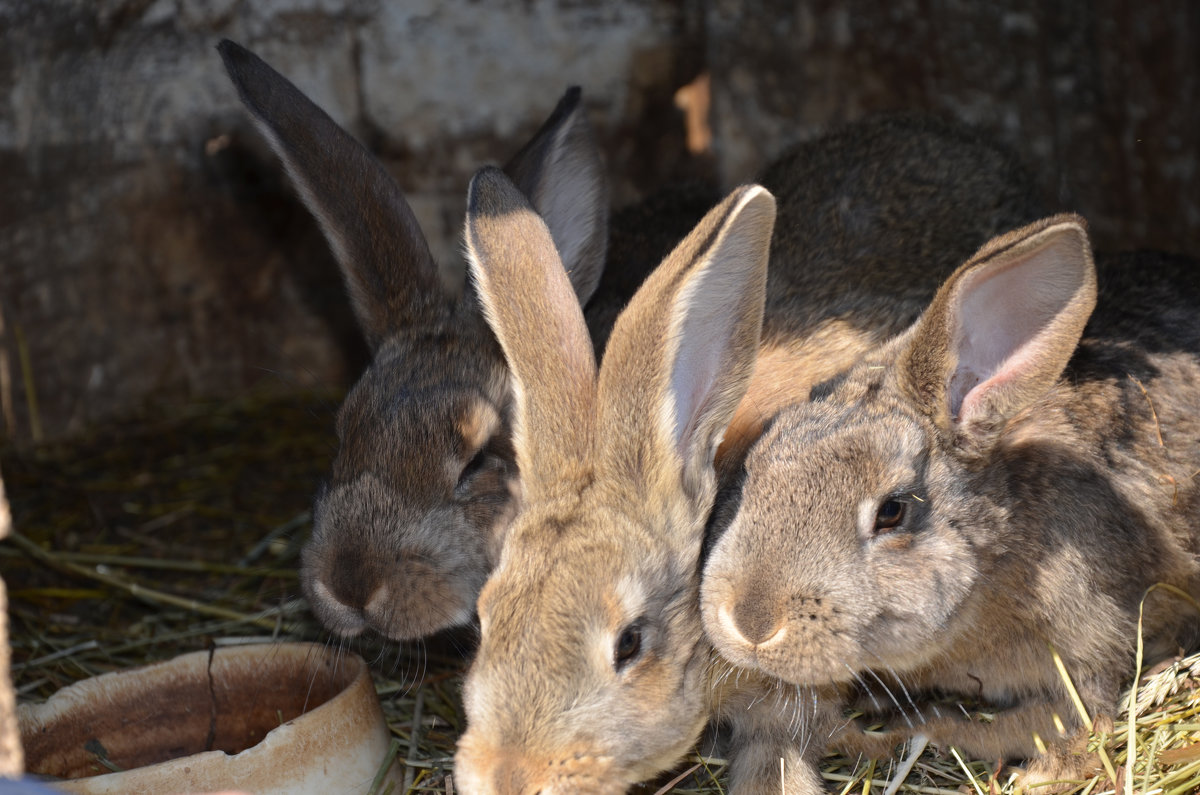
412, 514
640, 237
1006, 477
592, 672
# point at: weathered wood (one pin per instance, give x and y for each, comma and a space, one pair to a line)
150, 247
12, 760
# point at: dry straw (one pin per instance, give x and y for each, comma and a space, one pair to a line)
175, 532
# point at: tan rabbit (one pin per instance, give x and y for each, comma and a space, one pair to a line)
591, 674
592, 670
410, 520
982, 489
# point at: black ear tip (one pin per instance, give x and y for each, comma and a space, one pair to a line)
231, 51
239, 62
237, 59
570, 101
490, 191
489, 177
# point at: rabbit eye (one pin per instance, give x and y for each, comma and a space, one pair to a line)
629, 645
473, 466
890, 515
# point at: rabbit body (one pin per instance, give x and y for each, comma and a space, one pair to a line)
982, 489
592, 671
412, 515
872, 216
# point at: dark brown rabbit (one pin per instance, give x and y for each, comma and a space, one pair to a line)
410, 520
995, 485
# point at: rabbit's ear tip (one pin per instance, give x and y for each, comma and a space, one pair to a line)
755, 204
571, 97
230, 49
1074, 223
491, 191
756, 193
488, 176
237, 59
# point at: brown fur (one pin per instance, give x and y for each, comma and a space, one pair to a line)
618, 481
619, 517
410, 520
872, 216
1039, 506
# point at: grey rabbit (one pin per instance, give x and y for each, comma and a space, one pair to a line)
413, 512
592, 672
1002, 481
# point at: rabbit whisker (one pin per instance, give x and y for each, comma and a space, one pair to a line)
900, 683
892, 696
866, 688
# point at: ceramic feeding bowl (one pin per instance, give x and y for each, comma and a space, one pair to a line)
266, 718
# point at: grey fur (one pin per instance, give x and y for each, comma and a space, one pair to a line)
1037, 511
610, 534
412, 515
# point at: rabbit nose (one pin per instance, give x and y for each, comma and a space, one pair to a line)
349, 581
758, 619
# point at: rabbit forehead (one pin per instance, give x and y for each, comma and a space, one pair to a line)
564, 590
369, 512
805, 484
411, 423
606, 564
811, 458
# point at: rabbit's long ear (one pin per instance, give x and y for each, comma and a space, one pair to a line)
389, 272
1000, 331
535, 315
562, 173
682, 353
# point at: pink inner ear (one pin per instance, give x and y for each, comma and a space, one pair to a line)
705, 334
971, 404
1004, 315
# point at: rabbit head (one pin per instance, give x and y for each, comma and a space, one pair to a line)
865, 528
410, 519
980, 502
592, 667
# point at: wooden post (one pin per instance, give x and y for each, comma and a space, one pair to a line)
12, 761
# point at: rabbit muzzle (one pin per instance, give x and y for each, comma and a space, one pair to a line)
485, 770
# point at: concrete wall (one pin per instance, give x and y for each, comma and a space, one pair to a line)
150, 248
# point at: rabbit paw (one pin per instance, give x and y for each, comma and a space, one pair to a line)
1064, 765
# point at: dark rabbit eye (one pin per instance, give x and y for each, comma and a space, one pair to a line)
629, 645
890, 515
473, 466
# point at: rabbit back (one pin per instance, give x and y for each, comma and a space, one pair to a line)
873, 216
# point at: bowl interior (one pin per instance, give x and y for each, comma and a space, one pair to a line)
226, 700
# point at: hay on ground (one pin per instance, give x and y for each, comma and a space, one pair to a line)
177, 531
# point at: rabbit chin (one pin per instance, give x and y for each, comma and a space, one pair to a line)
398, 613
